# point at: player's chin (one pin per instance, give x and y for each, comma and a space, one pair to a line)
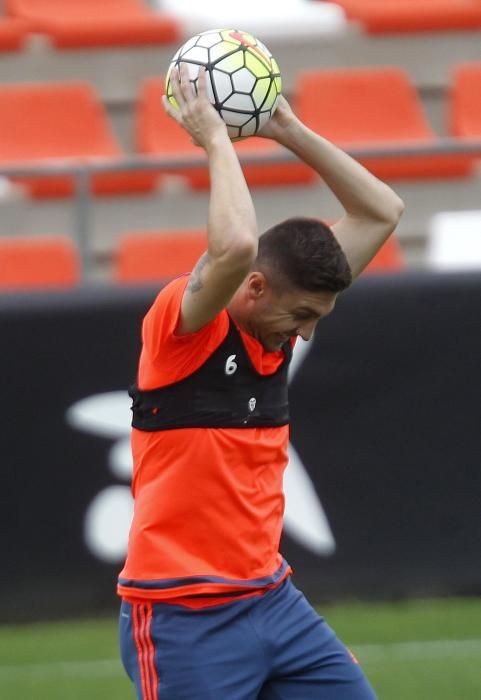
274, 342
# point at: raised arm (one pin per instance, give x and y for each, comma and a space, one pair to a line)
232, 227
372, 209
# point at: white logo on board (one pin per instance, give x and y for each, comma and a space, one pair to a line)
252, 404
230, 365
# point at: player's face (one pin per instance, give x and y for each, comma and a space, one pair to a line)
295, 312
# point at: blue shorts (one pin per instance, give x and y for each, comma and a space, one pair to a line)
269, 647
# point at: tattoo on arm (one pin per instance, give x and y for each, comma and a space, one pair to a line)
195, 282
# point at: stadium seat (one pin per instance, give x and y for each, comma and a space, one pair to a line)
38, 262
70, 24
60, 120
12, 34
398, 16
464, 104
156, 133
454, 241
464, 101
146, 257
160, 255
389, 258
267, 19
374, 107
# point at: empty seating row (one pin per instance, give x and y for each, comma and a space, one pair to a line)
39, 122
397, 16
141, 257
70, 25
133, 22
53, 262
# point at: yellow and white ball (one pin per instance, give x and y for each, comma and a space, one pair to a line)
243, 78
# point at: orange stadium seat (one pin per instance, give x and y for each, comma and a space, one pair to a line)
157, 133
71, 24
60, 120
397, 16
374, 107
464, 101
12, 34
38, 262
389, 258
464, 104
157, 255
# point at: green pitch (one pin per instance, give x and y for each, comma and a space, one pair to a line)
417, 650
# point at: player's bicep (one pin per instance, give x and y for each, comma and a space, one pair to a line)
212, 284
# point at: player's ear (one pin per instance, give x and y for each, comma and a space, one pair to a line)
256, 285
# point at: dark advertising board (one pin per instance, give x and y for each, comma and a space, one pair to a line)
383, 489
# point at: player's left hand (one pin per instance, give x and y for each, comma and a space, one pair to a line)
281, 120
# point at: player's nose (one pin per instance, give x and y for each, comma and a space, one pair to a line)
307, 329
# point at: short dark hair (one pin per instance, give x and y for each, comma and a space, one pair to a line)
304, 253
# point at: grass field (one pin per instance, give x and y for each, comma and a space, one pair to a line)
415, 650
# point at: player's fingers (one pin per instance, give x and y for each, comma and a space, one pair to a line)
185, 84
202, 82
176, 87
171, 111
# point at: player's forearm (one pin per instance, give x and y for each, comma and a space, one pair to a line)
232, 225
361, 194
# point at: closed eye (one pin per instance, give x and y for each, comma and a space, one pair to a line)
305, 316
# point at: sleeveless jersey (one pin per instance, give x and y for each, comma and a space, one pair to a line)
209, 440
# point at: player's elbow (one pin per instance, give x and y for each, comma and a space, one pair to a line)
397, 209
392, 211
241, 251
244, 250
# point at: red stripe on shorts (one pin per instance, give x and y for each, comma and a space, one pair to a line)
138, 632
150, 644
144, 637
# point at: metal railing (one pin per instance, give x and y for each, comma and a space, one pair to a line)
83, 170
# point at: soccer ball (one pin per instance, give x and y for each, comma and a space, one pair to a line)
243, 78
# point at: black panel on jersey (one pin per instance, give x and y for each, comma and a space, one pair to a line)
225, 392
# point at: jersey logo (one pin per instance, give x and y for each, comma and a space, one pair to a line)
252, 404
230, 365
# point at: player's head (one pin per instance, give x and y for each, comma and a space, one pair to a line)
302, 253
299, 270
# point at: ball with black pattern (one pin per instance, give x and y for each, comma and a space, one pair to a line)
243, 78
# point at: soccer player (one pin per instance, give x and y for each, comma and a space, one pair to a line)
209, 611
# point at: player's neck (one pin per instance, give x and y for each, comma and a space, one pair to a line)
237, 313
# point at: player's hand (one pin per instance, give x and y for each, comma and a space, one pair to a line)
281, 120
196, 114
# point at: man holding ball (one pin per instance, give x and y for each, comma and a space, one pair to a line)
209, 611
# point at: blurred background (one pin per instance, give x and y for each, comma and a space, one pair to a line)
103, 199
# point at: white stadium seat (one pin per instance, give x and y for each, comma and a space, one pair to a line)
454, 241
266, 19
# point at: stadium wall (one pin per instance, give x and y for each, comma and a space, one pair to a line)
383, 496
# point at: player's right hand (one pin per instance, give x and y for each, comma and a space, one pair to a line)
282, 119
196, 114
